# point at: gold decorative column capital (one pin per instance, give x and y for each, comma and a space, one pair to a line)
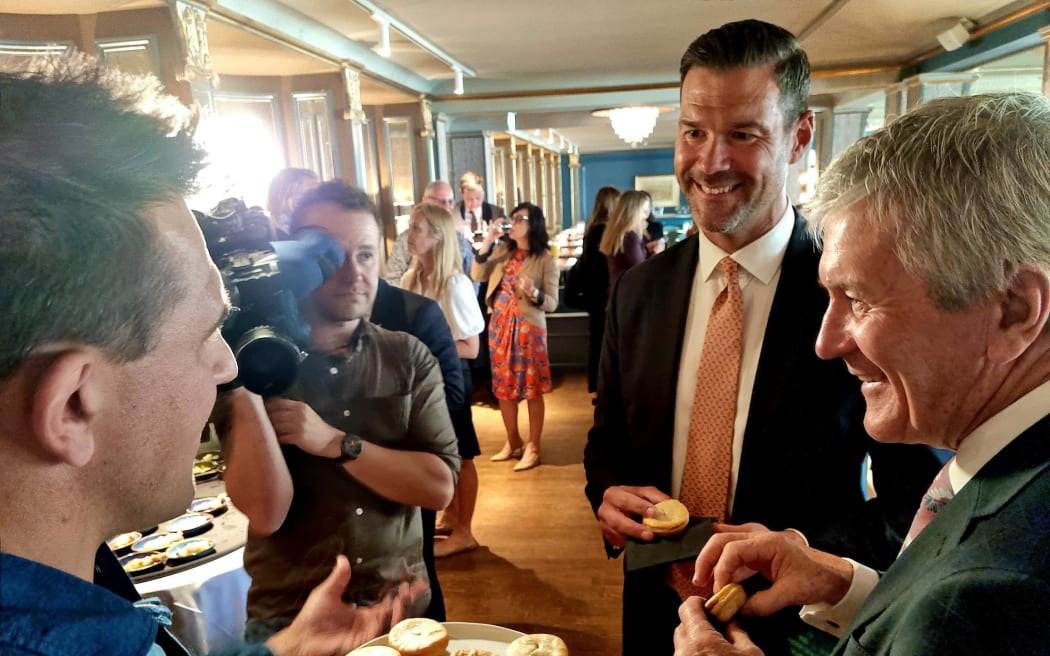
352, 86
426, 118
191, 28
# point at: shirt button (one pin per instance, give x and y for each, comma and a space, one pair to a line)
360, 560
333, 371
346, 413
359, 512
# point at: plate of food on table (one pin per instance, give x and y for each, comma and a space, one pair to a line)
420, 636
214, 506
156, 542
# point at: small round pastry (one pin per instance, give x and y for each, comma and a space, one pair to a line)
375, 650
473, 652
671, 519
724, 604
538, 644
419, 636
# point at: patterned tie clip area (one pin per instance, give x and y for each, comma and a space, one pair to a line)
938, 496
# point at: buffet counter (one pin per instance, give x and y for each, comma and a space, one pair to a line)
207, 594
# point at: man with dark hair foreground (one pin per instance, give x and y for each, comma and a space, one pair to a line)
111, 353
708, 387
936, 234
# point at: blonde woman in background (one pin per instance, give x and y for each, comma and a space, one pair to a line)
286, 188
437, 273
622, 242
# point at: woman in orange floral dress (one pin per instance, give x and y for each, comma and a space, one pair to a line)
522, 286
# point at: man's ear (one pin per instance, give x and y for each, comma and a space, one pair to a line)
64, 403
802, 136
1023, 312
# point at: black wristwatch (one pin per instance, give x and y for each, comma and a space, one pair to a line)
349, 448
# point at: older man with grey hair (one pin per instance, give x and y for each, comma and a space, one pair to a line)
936, 235
440, 193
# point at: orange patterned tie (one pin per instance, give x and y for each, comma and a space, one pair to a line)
709, 455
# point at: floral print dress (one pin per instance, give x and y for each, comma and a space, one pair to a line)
520, 365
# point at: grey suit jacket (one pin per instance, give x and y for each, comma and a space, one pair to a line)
977, 579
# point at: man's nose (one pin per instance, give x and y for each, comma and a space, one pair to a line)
713, 155
834, 340
225, 367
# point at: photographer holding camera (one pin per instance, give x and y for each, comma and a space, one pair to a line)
343, 461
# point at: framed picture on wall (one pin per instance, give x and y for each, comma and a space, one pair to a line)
663, 189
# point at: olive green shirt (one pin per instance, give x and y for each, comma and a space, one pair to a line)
388, 391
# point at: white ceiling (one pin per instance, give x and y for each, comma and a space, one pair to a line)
553, 61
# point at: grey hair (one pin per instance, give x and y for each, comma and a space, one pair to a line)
963, 185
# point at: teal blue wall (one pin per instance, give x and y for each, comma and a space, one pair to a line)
617, 169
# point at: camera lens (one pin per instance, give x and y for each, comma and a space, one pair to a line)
267, 362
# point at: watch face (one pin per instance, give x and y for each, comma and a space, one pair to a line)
349, 448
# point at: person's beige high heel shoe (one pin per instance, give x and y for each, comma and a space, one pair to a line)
528, 461
506, 453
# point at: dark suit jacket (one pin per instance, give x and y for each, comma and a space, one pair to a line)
977, 579
488, 211
407, 312
804, 441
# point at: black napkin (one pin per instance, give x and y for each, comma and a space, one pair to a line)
662, 550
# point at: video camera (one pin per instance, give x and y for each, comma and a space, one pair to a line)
266, 280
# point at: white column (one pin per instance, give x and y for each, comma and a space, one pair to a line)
355, 116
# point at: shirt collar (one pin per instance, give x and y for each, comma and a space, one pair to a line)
761, 259
49, 611
996, 433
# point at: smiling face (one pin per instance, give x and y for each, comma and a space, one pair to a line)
925, 371
733, 150
350, 292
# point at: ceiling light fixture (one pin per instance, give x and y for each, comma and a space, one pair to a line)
632, 124
957, 36
383, 48
380, 14
458, 84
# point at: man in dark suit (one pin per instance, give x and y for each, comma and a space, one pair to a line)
477, 214
956, 357
744, 120
475, 210
404, 311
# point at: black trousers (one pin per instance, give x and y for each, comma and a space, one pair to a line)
436, 609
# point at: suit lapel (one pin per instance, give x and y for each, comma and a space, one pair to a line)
675, 285
790, 335
993, 486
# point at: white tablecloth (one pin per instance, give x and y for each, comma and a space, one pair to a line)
207, 602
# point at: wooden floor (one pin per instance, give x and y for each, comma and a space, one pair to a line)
541, 566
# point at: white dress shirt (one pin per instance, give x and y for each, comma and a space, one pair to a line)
974, 452
759, 271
